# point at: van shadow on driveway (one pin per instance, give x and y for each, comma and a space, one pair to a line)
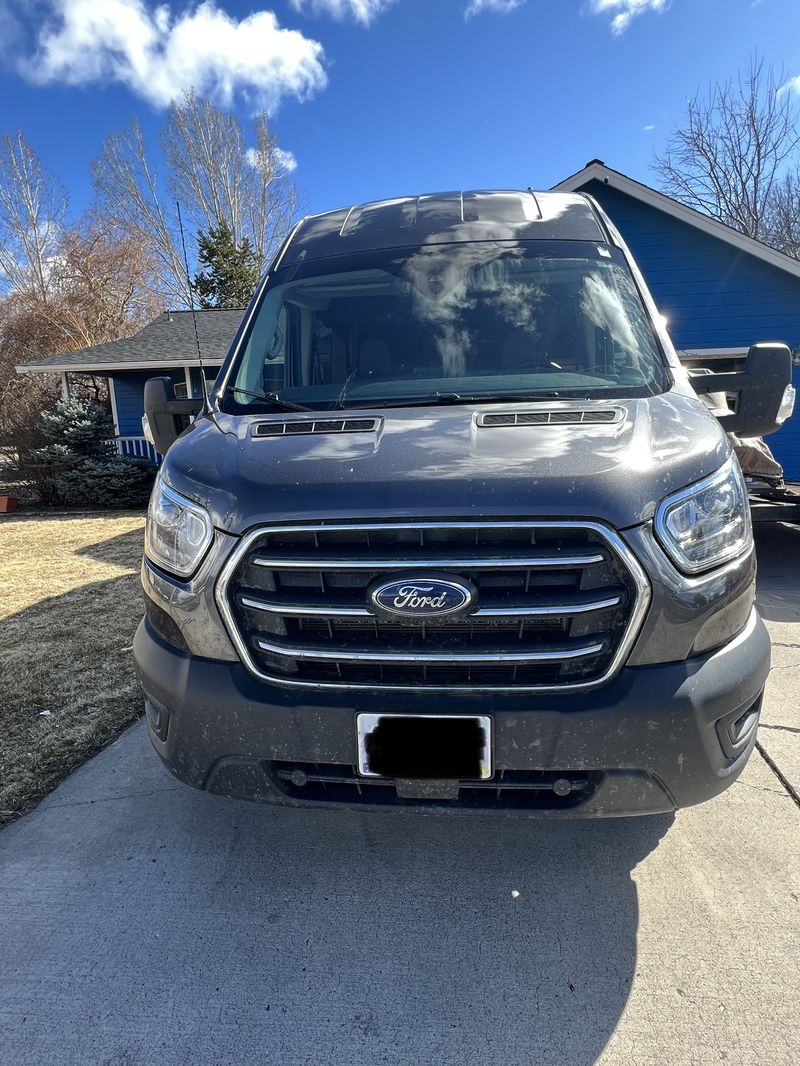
778, 548
147, 923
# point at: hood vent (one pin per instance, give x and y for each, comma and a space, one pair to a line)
296, 427
604, 415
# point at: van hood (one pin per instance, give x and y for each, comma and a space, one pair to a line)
440, 462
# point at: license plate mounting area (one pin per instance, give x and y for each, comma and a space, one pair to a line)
439, 749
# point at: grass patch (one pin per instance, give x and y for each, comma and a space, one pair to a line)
70, 606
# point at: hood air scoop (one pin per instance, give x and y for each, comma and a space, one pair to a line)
297, 426
551, 418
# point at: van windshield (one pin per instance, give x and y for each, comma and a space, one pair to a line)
449, 322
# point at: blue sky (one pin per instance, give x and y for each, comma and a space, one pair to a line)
384, 97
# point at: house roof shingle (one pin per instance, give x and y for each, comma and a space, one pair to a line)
166, 341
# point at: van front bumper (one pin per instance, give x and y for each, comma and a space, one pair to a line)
654, 739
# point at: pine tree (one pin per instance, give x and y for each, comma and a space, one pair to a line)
231, 269
77, 465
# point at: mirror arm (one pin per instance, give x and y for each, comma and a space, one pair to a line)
735, 381
184, 407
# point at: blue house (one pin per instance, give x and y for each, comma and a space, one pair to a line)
719, 291
166, 346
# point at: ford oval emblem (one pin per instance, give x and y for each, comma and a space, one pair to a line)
422, 596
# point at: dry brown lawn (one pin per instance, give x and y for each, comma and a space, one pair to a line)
69, 607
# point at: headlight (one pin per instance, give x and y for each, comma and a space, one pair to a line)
707, 524
178, 531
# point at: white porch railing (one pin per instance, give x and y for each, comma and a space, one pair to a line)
138, 448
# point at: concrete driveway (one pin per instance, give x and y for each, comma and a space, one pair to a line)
143, 923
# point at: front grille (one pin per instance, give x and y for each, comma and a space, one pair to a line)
508, 790
558, 605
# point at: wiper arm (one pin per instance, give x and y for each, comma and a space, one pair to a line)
343, 393
269, 397
500, 397
442, 399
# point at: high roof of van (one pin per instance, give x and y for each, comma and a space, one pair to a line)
442, 218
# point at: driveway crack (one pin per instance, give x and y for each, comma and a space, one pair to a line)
763, 788
780, 776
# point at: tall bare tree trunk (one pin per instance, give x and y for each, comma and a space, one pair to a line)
33, 207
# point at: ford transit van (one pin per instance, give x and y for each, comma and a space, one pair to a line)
454, 530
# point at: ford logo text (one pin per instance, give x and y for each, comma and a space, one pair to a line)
417, 597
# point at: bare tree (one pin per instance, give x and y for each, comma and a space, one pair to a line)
728, 158
62, 287
33, 208
783, 214
104, 282
205, 161
99, 289
134, 199
222, 180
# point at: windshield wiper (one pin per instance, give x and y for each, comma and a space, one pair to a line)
347, 380
444, 398
269, 397
439, 399
500, 397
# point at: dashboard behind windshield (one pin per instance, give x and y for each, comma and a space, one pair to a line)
486, 318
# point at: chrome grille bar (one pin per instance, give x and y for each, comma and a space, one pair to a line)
317, 610
465, 562
531, 526
548, 610
536, 611
552, 655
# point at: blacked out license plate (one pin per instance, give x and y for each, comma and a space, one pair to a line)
425, 746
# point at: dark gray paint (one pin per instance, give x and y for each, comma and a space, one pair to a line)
441, 218
689, 615
437, 461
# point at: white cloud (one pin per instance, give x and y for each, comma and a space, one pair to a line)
159, 54
502, 7
622, 11
284, 159
363, 11
648, 128
793, 85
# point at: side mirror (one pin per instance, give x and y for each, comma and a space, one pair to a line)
165, 417
760, 397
